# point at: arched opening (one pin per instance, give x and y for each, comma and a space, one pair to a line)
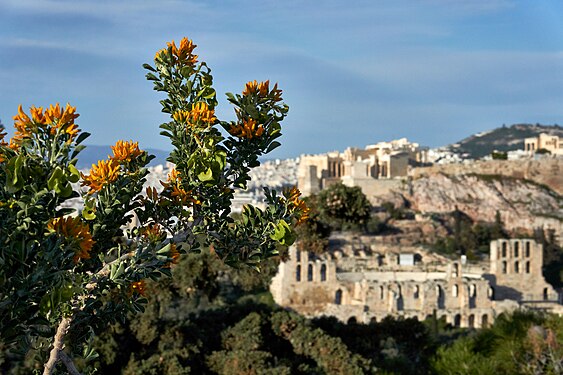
545, 294
504, 249
455, 291
457, 320
484, 321
298, 255
298, 273
440, 298
491, 293
516, 249
400, 302
527, 249
352, 320
516, 267
471, 321
381, 292
504, 267
373, 320
528, 267
310, 273
416, 293
338, 297
323, 272
472, 296
456, 270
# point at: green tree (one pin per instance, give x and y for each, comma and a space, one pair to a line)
63, 278
344, 207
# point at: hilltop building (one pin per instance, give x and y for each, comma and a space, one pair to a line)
360, 280
383, 162
544, 141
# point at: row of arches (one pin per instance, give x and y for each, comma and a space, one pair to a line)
322, 276
471, 321
515, 249
395, 291
516, 267
457, 320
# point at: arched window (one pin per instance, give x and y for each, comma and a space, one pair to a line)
456, 269
381, 292
298, 273
471, 321
416, 293
440, 300
298, 255
528, 267
455, 291
491, 293
516, 249
323, 272
504, 267
516, 267
352, 320
484, 321
338, 297
527, 249
457, 320
545, 294
473, 290
310, 273
504, 249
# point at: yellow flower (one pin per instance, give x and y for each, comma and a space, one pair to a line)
248, 129
297, 204
23, 125
105, 172
62, 119
153, 232
199, 116
76, 232
183, 54
53, 119
174, 254
125, 152
138, 287
262, 89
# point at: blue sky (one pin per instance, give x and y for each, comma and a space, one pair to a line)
353, 72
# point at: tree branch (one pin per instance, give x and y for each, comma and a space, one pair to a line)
68, 363
58, 345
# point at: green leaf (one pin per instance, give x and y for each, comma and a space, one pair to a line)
74, 174
273, 146
206, 176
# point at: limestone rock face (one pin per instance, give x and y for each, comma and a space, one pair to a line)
521, 203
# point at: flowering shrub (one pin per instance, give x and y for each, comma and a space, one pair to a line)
64, 275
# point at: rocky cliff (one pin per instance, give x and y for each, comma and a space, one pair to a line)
522, 204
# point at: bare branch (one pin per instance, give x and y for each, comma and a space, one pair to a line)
68, 363
58, 346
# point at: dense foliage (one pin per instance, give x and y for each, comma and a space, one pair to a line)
212, 319
66, 275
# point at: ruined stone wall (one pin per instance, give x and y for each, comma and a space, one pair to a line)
547, 171
364, 282
516, 271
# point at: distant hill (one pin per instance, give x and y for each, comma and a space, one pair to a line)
91, 154
501, 139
